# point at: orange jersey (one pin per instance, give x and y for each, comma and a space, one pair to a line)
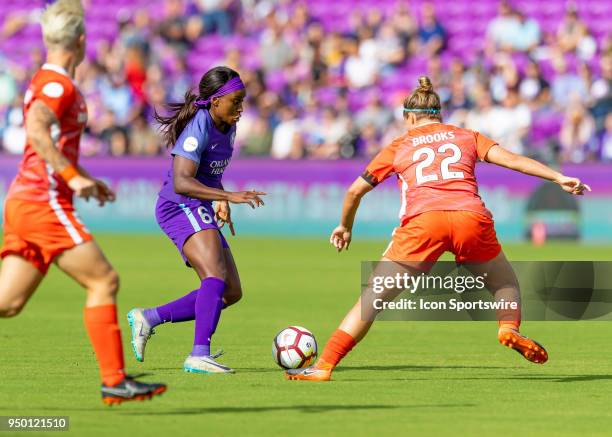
434, 164
35, 180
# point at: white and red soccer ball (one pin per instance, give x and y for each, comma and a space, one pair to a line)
294, 347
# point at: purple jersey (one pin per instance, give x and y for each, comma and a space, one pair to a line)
202, 143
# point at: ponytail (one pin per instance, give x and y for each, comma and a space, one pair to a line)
172, 125
424, 101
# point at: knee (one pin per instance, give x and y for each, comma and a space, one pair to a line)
233, 296
106, 285
212, 271
12, 308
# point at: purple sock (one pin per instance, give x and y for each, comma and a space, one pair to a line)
207, 312
180, 310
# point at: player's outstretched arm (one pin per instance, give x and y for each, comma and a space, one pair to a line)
341, 236
502, 157
39, 122
186, 184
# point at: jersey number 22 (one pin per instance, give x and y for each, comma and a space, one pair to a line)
430, 155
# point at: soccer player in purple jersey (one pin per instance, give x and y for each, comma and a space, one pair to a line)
201, 133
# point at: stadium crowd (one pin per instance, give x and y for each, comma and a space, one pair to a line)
321, 91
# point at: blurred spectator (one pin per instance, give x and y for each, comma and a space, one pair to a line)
117, 97
573, 36
502, 29
142, 138
361, 67
601, 91
369, 143
431, 33
176, 28
275, 51
505, 76
527, 35
14, 135
606, 140
286, 140
215, 16
577, 132
404, 24
375, 114
8, 85
565, 84
259, 139
389, 46
330, 130
533, 82
508, 124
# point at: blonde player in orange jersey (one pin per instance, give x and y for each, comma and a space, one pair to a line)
41, 225
441, 211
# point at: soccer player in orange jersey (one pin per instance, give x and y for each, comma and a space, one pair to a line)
41, 225
441, 211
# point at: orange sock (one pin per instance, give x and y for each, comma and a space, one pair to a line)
105, 335
509, 318
509, 324
339, 344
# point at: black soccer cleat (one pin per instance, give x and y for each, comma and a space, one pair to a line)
130, 390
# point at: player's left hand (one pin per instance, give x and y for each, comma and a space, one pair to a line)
573, 185
104, 193
223, 214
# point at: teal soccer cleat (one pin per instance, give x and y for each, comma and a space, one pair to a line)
141, 332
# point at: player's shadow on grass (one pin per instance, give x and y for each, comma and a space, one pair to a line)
564, 378
238, 369
308, 409
505, 377
411, 367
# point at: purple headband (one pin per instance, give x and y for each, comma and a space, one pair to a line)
230, 86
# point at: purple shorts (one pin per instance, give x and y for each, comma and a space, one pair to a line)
181, 221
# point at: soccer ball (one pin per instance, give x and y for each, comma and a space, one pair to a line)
294, 347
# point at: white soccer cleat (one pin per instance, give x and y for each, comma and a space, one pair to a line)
141, 332
206, 364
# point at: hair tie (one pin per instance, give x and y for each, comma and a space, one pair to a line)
428, 110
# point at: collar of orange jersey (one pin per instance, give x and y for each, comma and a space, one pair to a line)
56, 68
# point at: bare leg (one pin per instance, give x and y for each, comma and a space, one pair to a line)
88, 266
233, 292
356, 323
360, 318
206, 255
503, 284
18, 282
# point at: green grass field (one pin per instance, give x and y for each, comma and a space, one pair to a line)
406, 378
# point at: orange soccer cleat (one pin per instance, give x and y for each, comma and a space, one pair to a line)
321, 371
528, 348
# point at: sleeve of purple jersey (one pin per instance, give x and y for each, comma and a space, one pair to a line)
192, 142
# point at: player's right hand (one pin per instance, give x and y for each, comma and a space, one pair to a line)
573, 185
340, 238
250, 197
104, 193
83, 187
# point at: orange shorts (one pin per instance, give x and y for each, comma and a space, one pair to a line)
40, 231
425, 237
